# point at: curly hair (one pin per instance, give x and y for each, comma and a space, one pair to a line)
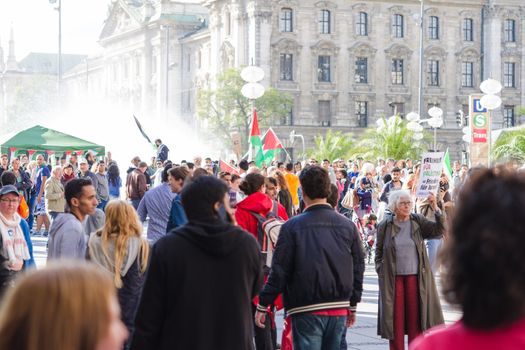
484, 259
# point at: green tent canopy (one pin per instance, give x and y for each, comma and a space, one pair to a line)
41, 139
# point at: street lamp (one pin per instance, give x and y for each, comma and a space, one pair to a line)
414, 123
252, 90
293, 135
490, 101
59, 68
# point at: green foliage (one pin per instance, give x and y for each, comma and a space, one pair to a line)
510, 146
331, 146
224, 109
391, 140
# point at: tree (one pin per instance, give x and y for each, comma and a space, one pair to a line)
510, 147
391, 139
224, 109
331, 146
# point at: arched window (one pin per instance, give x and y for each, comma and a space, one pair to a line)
362, 24
286, 21
397, 26
324, 22
433, 28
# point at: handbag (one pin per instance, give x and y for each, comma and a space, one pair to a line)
23, 208
348, 200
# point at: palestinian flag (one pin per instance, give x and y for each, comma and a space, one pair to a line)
255, 141
271, 146
447, 169
227, 167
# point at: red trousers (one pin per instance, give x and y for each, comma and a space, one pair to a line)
406, 311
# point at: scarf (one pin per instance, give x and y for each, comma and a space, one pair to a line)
14, 245
108, 262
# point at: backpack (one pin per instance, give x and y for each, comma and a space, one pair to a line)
268, 229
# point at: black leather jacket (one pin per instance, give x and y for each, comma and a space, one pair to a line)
318, 263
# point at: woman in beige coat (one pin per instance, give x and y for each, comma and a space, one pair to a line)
408, 298
54, 194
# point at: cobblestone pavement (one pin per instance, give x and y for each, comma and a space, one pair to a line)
361, 336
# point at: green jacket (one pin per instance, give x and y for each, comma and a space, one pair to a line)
385, 261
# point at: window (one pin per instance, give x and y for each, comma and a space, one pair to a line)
154, 64
433, 73
228, 23
323, 69
362, 24
361, 113
361, 70
324, 22
199, 59
138, 64
508, 117
433, 28
398, 108
510, 30
397, 72
468, 33
287, 119
467, 74
509, 70
286, 67
324, 113
397, 26
286, 23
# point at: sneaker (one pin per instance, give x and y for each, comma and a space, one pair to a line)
45, 234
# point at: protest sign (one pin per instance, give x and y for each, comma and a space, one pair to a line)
429, 174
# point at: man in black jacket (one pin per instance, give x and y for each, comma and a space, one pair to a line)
201, 280
318, 265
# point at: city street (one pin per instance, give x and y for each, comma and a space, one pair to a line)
362, 336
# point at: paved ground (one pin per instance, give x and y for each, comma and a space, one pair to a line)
362, 336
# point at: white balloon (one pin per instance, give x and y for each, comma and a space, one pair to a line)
252, 91
490, 102
490, 86
417, 136
412, 117
435, 112
252, 74
435, 122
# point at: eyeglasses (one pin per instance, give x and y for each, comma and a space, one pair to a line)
9, 201
405, 203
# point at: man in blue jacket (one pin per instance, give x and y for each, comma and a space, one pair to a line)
176, 178
318, 265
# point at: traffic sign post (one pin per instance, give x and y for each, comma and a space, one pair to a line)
479, 131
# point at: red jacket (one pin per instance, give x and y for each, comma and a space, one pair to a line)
256, 202
459, 337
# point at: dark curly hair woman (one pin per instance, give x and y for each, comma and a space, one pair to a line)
485, 265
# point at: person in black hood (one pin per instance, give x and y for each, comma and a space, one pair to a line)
201, 280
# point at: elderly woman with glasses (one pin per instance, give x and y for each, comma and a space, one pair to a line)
408, 298
16, 249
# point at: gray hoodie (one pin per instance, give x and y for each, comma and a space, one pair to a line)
66, 238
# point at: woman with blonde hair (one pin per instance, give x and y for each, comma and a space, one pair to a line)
120, 249
79, 298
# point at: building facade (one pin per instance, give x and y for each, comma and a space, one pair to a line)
345, 63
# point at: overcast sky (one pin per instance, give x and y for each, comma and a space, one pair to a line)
35, 24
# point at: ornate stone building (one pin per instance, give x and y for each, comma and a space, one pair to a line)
345, 63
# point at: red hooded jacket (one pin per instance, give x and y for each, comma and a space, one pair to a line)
256, 202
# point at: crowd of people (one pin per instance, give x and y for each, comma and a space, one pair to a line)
227, 247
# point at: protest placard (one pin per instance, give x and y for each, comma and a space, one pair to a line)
429, 174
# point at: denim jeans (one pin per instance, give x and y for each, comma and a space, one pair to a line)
433, 246
314, 332
102, 204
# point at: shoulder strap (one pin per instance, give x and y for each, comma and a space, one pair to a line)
275, 208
